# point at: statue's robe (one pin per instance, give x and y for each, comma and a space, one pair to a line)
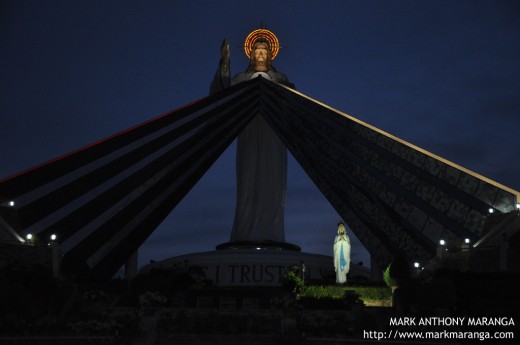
341, 258
261, 168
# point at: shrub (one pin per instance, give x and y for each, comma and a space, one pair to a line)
339, 292
400, 269
388, 278
373, 293
319, 291
291, 280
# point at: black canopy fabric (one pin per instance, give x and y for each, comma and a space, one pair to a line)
397, 198
104, 200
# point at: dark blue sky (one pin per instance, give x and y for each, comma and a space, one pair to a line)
443, 75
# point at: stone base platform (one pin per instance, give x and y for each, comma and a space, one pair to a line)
256, 267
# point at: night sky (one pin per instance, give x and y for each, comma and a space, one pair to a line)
441, 74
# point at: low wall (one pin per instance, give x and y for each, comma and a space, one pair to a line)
59, 341
260, 268
25, 254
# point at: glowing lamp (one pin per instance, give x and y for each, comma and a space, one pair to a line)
29, 237
53, 237
491, 210
442, 242
466, 240
11, 203
416, 265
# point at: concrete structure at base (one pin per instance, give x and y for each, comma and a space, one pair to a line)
104, 200
262, 267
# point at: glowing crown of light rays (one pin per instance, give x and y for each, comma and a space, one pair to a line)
255, 35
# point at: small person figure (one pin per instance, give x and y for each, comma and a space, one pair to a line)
341, 254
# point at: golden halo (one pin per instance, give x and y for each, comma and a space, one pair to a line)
271, 38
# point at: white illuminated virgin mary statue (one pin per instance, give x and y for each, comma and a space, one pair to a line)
341, 254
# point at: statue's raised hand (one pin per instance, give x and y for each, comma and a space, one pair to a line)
224, 50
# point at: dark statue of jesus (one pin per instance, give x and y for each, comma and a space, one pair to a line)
261, 161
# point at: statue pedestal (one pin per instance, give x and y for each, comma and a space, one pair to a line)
259, 245
255, 267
